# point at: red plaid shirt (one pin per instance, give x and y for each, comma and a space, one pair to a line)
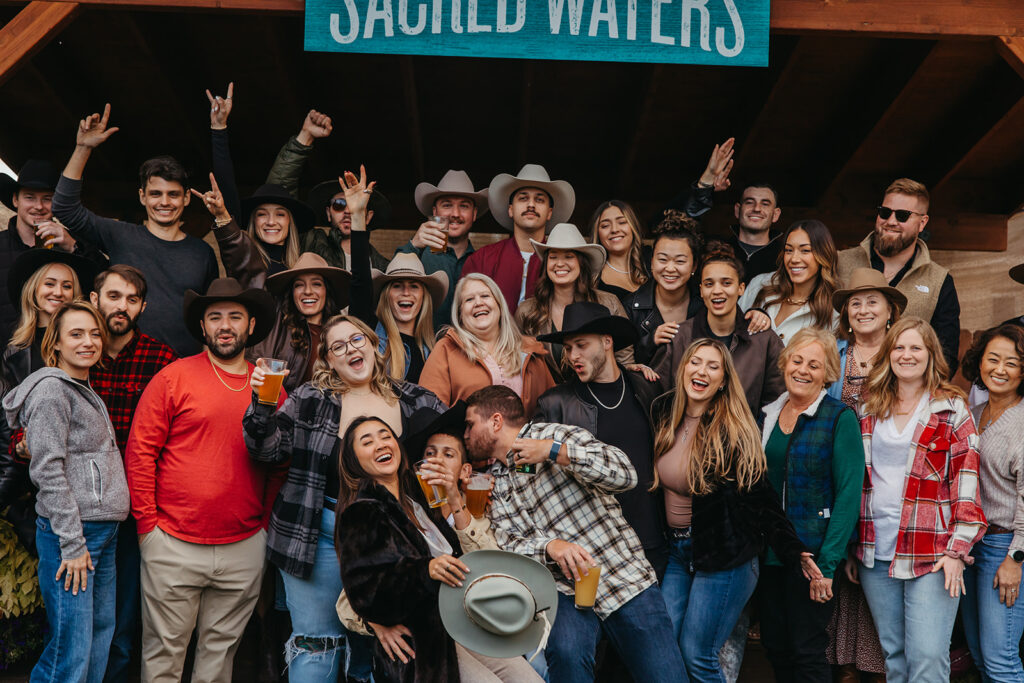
941, 514
120, 381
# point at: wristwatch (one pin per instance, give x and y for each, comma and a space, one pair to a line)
1018, 556
553, 453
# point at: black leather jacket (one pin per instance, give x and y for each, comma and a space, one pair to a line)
646, 317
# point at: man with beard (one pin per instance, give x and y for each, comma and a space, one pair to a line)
132, 360
896, 250
200, 503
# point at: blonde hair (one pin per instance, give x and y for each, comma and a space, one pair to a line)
28, 321
291, 242
910, 188
47, 348
509, 347
811, 335
882, 384
326, 380
727, 444
637, 274
423, 330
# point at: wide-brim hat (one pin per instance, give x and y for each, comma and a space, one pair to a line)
30, 261
505, 606
308, 263
531, 175
1017, 273
567, 236
588, 317
320, 196
270, 193
864, 280
425, 422
35, 174
259, 302
409, 267
454, 183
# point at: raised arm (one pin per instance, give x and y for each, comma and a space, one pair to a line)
223, 167
593, 463
241, 257
93, 131
361, 300
290, 160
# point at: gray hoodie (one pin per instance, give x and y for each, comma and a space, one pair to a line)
75, 461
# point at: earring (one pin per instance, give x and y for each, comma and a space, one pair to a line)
721, 388
888, 323
849, 330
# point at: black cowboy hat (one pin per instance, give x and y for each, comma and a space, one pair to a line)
587, 317
259, 302
425, 422
321, 194
275, 194
30, 261
36, 174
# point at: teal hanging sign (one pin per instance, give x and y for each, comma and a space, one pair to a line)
714, 32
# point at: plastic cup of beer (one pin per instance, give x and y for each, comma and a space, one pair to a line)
436, 495
478, 491
442, 225
586, 589
273, 376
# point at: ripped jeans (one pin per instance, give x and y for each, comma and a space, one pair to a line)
320, 648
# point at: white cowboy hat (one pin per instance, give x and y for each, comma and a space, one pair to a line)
567, 236
530, 175
453, 183
409, 267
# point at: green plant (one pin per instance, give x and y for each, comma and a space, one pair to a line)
19, 586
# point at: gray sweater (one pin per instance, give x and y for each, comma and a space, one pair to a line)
75, 461
1001, 475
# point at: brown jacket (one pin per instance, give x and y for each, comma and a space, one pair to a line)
450, 374
240, 256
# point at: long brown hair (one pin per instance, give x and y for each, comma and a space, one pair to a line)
780, 287
583, 289
52, 335
637, 270
298, 327
327, 380
882, 383
727, 444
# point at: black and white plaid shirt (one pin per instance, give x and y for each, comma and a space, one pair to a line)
575, 504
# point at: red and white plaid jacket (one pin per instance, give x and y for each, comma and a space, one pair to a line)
941, 513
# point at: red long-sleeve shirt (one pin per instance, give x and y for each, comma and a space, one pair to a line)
188, 469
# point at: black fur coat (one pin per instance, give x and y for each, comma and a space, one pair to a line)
384, 560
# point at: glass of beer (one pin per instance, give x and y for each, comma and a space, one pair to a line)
478, 491
586, 589
273, 376
442, 225
436, 495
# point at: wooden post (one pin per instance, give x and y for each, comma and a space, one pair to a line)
31, 29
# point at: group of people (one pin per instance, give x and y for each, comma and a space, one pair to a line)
755, 427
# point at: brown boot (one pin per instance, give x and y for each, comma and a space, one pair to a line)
846, 673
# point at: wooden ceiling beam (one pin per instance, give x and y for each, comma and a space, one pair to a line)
31, 29
1012, 50
920, 18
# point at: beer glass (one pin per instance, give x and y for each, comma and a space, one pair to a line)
436, 495
586, 589
442, 225
273, 376
478, 491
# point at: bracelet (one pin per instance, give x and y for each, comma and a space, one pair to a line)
553, 453
704, 186
221, 222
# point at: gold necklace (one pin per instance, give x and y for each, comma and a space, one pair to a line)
795, 302
226, 385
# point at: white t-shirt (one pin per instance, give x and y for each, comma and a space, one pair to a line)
527, 255
890, 449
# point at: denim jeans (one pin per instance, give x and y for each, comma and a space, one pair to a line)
128, 604
708, 604
914, 619
640, 630
81, 626
993, 629
320, 648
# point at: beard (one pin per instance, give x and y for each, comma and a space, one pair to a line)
597, 363
121, 324
479, 448
227, 351
890, 246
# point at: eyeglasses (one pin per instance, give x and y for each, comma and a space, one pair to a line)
338, 204
902, 215
340, 348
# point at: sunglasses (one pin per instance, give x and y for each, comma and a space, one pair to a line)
902, 215
338, 204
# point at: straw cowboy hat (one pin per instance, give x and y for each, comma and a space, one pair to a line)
588, 317
455, 183
320, 196
567, 236
531, 175
258, 302
270, 193
35, 175
309, 263
409, 267
864, 280
505, 607
28, 262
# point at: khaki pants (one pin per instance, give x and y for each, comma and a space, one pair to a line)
187, 586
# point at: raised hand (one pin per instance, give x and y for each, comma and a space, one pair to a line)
357, 195
315, 125
220, 108
716, 173
213, 201
93, 130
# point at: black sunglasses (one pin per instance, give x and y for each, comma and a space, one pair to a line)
902, 215
338, 204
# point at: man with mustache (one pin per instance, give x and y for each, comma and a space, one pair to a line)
200, 503
896, 250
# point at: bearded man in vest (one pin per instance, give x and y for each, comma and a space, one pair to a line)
896, 250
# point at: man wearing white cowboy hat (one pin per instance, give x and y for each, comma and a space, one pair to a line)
526, 203
454, 199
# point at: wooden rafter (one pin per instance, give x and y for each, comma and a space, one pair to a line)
29, 31
1012, 50
1006, 131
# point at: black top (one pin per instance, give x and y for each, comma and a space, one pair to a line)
647, 253
35, 351
276, 253
415, 359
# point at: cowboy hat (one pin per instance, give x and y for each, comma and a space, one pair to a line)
867, 279
567, 236
309, 263
504, 608
258, 302
270, 193
320, 196
454, 183
35, 175
30, 261
409, 267
588, 317
1017, 273
425, 422
531, 175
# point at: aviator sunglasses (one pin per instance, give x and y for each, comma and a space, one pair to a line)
902, 215
339, 204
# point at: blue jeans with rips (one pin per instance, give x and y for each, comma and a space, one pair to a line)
993, 629
81, 626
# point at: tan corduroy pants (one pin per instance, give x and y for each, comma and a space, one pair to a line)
188, 586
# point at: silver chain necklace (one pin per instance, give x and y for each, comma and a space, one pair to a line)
617, 403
